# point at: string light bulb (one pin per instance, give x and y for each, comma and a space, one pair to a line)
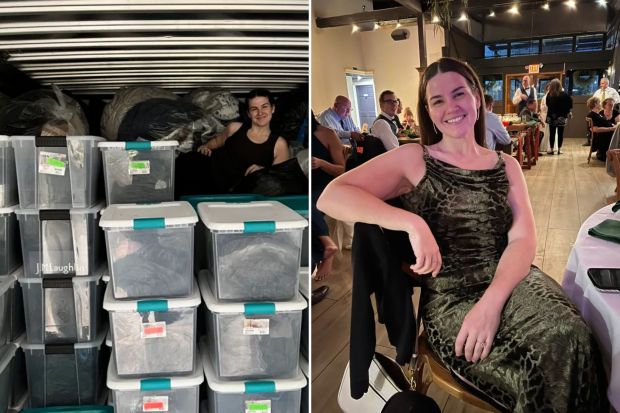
514, 9
463, 17
435, 19
545, 6
571, 4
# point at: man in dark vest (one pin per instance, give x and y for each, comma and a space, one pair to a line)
384, 127
523, 94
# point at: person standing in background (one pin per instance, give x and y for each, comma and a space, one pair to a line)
338, 118
524, 93
559, 105
605, 92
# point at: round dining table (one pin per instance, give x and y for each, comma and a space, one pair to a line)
600, 310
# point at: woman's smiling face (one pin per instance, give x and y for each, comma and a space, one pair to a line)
452, 105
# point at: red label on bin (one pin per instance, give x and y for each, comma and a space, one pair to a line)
155, 404
154, 330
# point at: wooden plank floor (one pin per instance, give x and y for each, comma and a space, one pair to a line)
564, 191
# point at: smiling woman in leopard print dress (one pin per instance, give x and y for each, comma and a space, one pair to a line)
491, 316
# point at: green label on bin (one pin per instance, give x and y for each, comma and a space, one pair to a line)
139, 167
52, 163
55, 163
258, 406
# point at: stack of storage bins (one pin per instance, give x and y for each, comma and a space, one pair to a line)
254, 311
152, 297
61, 245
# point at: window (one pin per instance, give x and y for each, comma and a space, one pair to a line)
584, 82
494, 85
493, 50
524, 47
557, 45
589, 43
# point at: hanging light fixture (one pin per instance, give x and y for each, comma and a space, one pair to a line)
435, 19
514, 9
601, 3
571, 4
463, 17
545, 6
398, 25
491, 13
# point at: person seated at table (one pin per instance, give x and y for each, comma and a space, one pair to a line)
489, 315
609, 112
408, 120
338, 118
495, 131
530, 111
240, 150
384, 127
399, 110
603, 129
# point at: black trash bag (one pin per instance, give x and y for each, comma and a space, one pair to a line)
165, 119
363, 151
124, 99
286, 178
291, 112
43, 112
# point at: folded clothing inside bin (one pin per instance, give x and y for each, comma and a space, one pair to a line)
609, 230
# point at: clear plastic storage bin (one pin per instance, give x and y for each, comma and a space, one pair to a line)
66, 374
305, 392
230, 396
150, 249
56, 171
8, 180
304, 280
18, 374
7, 355
63, 310
138, 171
253, 340
299, 204
12, 324
177, 394
67, 242
253, 250
153, 337
10, 247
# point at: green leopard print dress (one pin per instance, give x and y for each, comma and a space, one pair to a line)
544, 357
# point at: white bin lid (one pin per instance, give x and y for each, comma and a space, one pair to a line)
72, 211
6, 355
304, 365
7, 281
223, 216
152, 304
9, 209
165, 214
240, 386
195, 378
216, 306
74, 138
77, 346
153, 144
304, 281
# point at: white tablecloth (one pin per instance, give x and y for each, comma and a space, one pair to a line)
600, 310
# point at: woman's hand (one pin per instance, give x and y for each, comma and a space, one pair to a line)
316, 162
475, 339
425, 248
252, 168
203, 149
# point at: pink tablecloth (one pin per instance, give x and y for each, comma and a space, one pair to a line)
600, 310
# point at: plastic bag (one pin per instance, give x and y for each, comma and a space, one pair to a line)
43, 112
219, 108
165, 119
286, 178
125, 99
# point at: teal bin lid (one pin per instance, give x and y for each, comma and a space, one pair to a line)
233, 198
298, 203
72, 409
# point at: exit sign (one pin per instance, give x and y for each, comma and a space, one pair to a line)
534, 68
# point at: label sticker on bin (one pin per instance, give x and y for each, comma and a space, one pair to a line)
258, 406
153, 330
255, 327
139, 167
155, 404
51, 163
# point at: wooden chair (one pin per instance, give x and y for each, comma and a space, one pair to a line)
592, 137
613, 156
